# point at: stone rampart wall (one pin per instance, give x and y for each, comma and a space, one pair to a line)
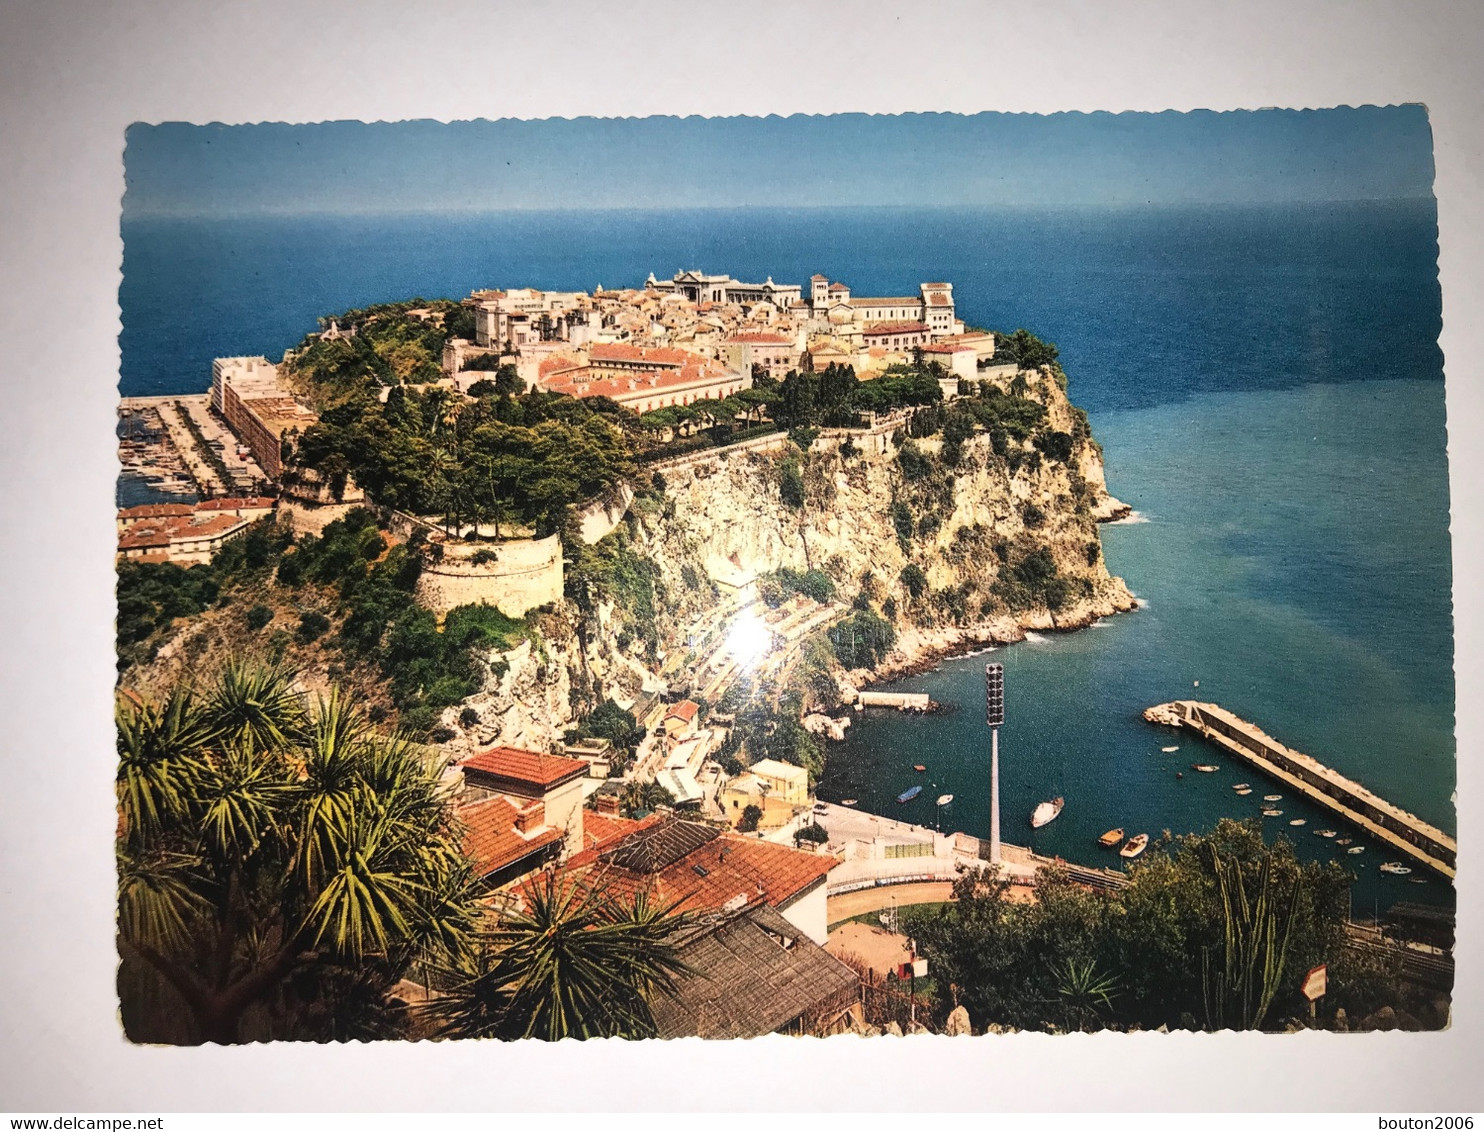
523, 575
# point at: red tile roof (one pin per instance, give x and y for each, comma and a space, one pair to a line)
948, 348
702, 373
816, 278
760, 339
652, 355
717, 872
491, 839
156, 511
895, 328
599, 831
684, 710
530, 768
247, 503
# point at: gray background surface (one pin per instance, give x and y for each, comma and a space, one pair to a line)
74, 74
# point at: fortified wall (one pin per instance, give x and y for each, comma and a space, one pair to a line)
515, 577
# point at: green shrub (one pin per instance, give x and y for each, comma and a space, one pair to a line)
258, 616
312, 626
913, 579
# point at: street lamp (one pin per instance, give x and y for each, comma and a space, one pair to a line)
994, 717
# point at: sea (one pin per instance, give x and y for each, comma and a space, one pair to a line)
1267, 388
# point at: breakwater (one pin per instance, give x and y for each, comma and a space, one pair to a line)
1322, 785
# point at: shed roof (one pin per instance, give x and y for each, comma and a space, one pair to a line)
752, 973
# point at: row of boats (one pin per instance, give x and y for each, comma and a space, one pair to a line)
1113, 839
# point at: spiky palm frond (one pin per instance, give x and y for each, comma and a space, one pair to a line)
580, 962
240, 790
158, 748
1085, 992
157, 899
367, 902
255, 701
332, 789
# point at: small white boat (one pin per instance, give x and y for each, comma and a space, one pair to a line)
1272, 813
1299, 821
1272, 797
1205, 768
1325, 832
1343, 841
1356, 849
1167, 750
1136, 845
1240, 786
1047, 812
1395, 868
847, 801
1244, 793
944, 799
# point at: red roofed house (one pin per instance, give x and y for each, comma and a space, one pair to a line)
642, 391
681, 720
552, 780
961, 361
895, 335
700, 869
775, 353
505, 838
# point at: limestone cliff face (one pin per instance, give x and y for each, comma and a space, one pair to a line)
1004, 543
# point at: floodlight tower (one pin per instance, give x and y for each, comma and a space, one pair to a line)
994, 716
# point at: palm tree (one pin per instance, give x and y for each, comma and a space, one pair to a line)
273, 857
639, 797
579, 962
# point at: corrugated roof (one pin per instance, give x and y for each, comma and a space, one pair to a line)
752, 974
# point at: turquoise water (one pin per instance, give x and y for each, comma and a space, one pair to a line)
1266, 384
1292, 556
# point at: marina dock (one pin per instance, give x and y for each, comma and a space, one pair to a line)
1387, 823
902, 701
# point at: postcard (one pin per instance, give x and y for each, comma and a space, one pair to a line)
872, 575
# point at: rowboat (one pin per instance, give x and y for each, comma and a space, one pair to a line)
1111, 839
1205, 768
1272, 797
847, 801
1135, 846
1167, 750
1343, 841
1240, 786
1046, 812
1244, 793
1325, 832
944, 799
919, 768
908, 794
1272, 813
1356, 849
1299, 821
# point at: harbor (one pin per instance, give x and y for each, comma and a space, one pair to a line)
1349, 800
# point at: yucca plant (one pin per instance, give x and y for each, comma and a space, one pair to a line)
1085, 993
1239, 988
579, 962
267, 849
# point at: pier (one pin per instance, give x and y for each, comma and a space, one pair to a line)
902, 701
1321, 785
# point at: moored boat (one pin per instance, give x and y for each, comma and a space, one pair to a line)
1244, 793
1299, 821
1395, 868
1356, 849
1205, 768
1240, 786
1136, 845
908, 794
919, 768
848, 801
1047, 812
1272, 797
944, 799
1167, 750
1112, 838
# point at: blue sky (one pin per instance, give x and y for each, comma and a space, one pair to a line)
1269, 156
